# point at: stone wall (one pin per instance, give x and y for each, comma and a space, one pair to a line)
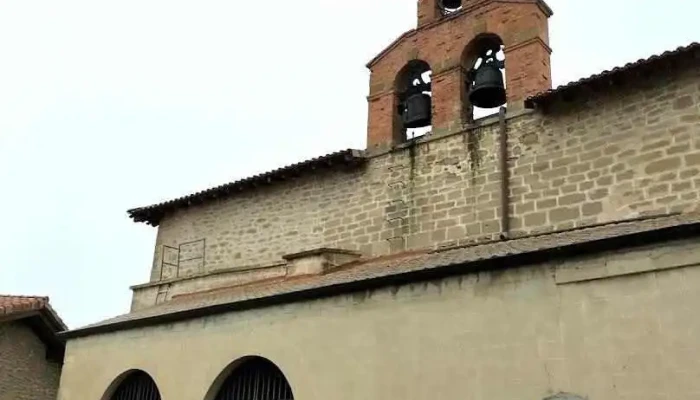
621, 325
628, 152
25, 373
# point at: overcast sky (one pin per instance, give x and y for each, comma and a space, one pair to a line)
109, 105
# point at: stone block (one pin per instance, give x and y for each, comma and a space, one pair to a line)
563, 214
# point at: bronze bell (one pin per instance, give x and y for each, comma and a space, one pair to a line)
488, 90
451, 4
416, 111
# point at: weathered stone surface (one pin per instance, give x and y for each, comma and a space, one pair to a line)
25, 373
667, 164
583, 159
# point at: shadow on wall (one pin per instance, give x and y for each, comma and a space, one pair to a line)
565, 396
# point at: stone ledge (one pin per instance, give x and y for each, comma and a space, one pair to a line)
222, 271
637, 262
318, 261
320, 251
513, 112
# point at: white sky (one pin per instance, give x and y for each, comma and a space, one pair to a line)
109, 105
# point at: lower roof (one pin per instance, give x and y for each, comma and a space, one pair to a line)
39, 315
408, 267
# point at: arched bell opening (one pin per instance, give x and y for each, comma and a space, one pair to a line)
251, 378
414, 97
448, 7
483, 63
132, 385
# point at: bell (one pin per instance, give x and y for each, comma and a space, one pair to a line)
451, 4
416, 111
488, 90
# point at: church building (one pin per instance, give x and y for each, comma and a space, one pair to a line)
547, 250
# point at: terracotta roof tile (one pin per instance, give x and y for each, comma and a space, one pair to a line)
354, 275
17, 304
13, 304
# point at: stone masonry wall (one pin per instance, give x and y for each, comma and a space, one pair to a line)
629, 152
25, 374
620, 325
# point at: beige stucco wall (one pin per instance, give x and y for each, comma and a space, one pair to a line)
25, 373
631, 151
623, 325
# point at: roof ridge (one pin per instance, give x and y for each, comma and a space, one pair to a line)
21, 296
680, 50
152, 213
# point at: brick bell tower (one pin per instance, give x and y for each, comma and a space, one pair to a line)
450, 37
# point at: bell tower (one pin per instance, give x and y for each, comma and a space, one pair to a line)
435, 75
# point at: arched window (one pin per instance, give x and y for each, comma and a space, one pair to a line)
414, 90
255, 378
134, 385
483, 61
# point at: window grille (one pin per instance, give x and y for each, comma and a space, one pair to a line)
255, 379
137, 386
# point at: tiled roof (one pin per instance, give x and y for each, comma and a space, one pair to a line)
407, 267
607, 76
16, 304
154, 213
11, 305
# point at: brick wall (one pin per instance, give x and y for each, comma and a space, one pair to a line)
617, 155
445, 44
25, 374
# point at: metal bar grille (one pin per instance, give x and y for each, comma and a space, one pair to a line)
137, 386
255, 379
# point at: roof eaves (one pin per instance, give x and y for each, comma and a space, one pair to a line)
16, 304
610, 76
11, 304
152, 214
37, 313
52, 316
509, 253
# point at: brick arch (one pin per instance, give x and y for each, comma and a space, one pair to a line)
133, 384
470, 54
402, 75
521, 24
232, 382
401, 82
470, 51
